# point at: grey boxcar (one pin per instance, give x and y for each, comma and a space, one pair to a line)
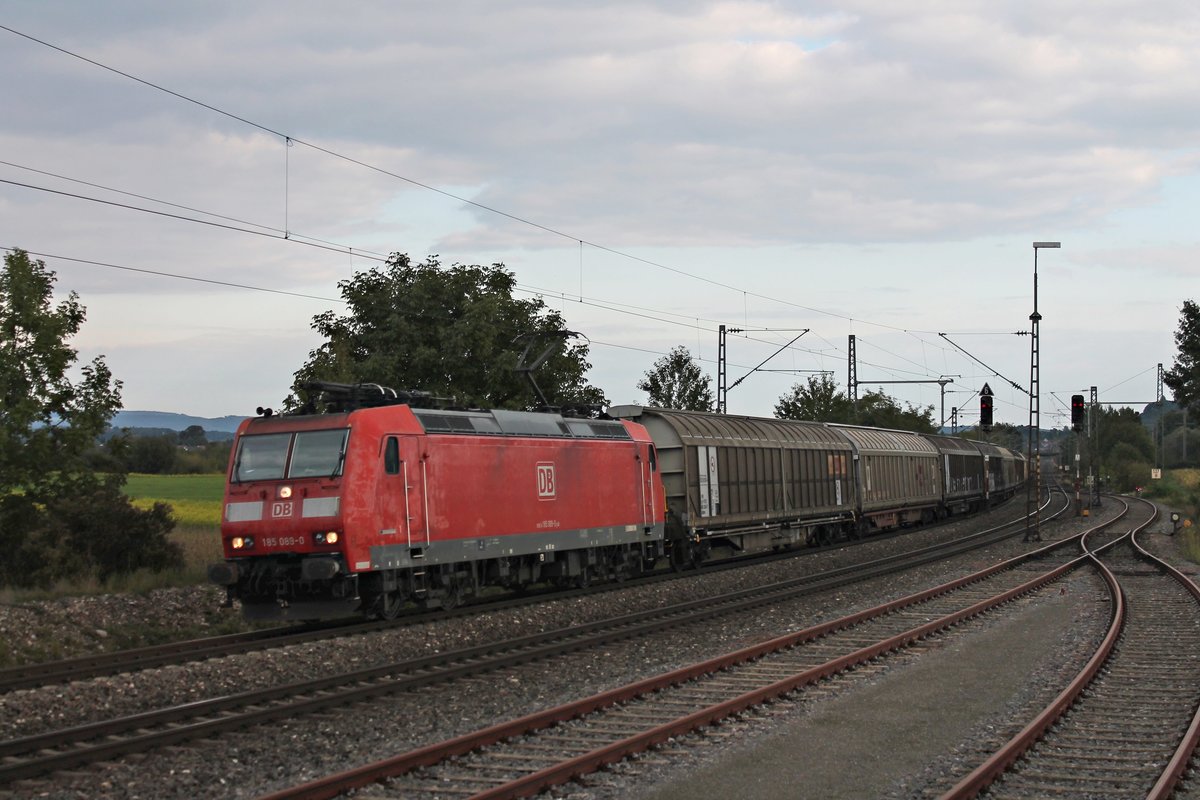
897, 476
748, 483
963, 483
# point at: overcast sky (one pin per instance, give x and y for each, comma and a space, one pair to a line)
654, 169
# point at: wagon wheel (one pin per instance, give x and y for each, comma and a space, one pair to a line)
678, 556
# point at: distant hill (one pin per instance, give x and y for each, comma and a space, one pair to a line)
174, 422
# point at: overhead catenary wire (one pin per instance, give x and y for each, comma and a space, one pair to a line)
264, 230
291, 139
251, 287
285, 234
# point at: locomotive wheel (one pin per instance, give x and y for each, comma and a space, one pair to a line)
452, 599
584, 578
388, 605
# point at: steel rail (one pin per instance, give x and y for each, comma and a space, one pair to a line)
331, 786
62, 671
153, 729
1173, 772
1000, 761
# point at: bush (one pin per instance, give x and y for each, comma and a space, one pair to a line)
36, 553
88, 529
113, 536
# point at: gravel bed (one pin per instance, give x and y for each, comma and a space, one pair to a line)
250, 763
772, 739
69, 627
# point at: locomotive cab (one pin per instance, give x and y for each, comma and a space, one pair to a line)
282, 528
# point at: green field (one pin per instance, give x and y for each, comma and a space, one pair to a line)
176, 487
195, 502
196, 499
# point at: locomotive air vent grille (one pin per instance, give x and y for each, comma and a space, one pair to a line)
609, 430
445, 423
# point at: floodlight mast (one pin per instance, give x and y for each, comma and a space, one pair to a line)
1033, 489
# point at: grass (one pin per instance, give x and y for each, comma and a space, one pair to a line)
195, 499
195, 502
1180, 489
205, 487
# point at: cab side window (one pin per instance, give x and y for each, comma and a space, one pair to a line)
391, 456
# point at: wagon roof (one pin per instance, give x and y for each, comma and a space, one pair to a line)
875, 439
952, 444
695, 427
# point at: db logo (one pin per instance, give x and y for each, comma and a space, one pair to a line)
281, 509
545, 481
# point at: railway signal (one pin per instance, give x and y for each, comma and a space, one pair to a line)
985, 408
1077, 412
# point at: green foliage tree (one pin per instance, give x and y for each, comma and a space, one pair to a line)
1128, 467
1124, 426
152, 455
1183, 377
676, 381
818, 399
879, 410
1124, 445
193, 436
47, 432
450, 331
211, 457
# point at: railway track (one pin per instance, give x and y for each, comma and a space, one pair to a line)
84, 744
528, 755
182, 652
1129, 724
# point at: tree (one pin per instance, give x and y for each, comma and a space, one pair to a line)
48, 421
878, 410
818, 400
193, 436
48, 429
152, 455
676, 381
1183, 377
451, 331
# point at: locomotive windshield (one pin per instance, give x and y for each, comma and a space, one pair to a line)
318, 453
274, 456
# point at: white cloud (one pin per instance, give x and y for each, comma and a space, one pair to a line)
868, 158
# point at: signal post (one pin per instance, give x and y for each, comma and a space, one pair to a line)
1077, 417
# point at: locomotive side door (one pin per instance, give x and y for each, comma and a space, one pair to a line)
400, 493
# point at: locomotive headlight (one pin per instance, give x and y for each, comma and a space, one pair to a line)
241, 542
285, 492
325, 537
331, 537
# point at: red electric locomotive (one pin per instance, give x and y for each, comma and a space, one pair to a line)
366, 509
